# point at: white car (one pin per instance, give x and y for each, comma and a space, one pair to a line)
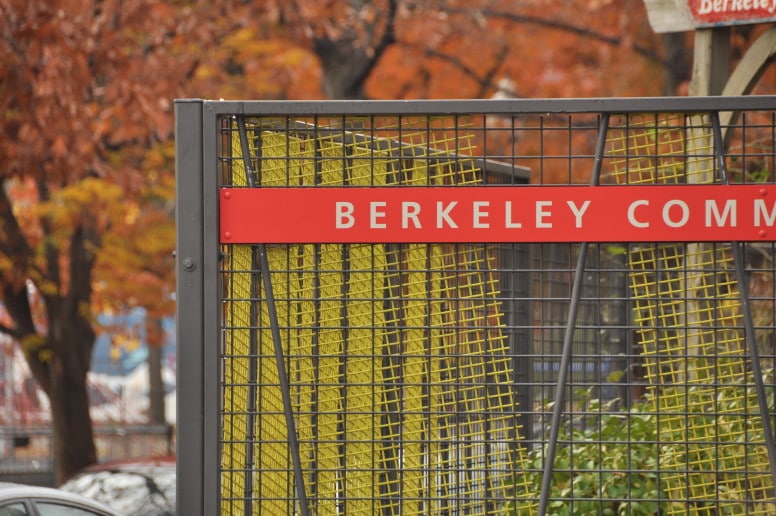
133, 487
26, 500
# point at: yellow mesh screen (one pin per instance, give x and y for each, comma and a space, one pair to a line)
688, 313
236, 375
400, 372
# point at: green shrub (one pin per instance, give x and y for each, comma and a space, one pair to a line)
609, 461
607, 465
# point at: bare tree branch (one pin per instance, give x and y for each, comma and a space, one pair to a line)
584, 32
485, 83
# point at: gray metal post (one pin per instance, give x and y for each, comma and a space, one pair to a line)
190, 297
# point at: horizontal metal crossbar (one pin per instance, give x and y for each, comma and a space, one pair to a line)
461, 106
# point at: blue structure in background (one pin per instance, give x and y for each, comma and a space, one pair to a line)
132, 323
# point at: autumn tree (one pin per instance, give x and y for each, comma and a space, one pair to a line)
373, 49
461, 49
86, 89
85, 220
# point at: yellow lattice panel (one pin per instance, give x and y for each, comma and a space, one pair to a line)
687, 308
235, 452
236, 378
399, 368
660, 149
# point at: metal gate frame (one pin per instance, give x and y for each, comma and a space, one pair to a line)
198, 256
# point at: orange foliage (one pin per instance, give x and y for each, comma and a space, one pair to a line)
460, 49
456, 49
86, 91
85, 88
453, 48
87, 95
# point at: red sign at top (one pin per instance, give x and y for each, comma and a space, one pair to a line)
723, 12
684, 15
681, 213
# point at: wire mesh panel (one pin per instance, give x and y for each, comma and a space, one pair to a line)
398, 369
688, 314
539, 372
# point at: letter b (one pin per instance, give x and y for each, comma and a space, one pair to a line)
344, 215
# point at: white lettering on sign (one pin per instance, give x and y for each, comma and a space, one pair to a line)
478, 214
632, 220
721, 219
732, 6
376, 214
410, 211
443, 215
542, 214
344, 215
683, 209
639, 214
509, 223
760, 211
578, 212
727, 218
659, 213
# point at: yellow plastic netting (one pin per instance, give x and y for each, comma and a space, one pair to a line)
688, 313
400, 372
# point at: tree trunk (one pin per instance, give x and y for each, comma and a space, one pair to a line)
347, 61
59, 359
73, 441
60, 362
156, 384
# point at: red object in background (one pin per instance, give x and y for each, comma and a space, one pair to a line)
730, 12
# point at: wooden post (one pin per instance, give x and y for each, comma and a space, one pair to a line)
710, 63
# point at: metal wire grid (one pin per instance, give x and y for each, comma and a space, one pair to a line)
402, 371
399, 372
691, 329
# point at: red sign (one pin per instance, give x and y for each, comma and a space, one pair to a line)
683, 15
681, 213
726, 12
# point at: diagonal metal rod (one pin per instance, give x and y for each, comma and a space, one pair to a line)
565, 361
746, 310
293, 439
